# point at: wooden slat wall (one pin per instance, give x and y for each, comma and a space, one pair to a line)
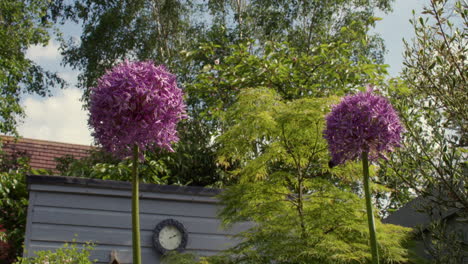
61, 213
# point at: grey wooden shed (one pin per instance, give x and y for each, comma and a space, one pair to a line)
65, 208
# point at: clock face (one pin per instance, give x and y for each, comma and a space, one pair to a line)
170, 237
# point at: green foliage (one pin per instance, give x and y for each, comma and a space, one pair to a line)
14, 199
190, 258
189, 36
13, 202
327, 69
68, 165
302, 210
177, 258
264, 130
102, 165
143, 29
115, 30
394, 193
191, 164
68, 254
304, 23
14, 205
431, 98
432, 105
436, 63
336, 230
21, 26
194, 159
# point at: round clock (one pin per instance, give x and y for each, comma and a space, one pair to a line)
170, 235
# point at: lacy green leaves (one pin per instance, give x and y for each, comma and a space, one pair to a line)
265, 130
303, 212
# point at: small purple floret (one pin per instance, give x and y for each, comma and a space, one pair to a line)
136, 103
364, 122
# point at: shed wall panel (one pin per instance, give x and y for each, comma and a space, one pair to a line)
115, 219
123, 204
61, 213
120, 237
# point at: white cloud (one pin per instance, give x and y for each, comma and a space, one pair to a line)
39, 53
69, 76
59, 118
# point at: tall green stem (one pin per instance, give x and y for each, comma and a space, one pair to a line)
370, 216
135, 209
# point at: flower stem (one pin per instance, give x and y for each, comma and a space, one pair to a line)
370, 216
135, 209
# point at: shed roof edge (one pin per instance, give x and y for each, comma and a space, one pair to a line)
110, 184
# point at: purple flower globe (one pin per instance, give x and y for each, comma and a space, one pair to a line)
136, 103
364, 122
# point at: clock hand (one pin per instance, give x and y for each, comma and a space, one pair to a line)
172, 236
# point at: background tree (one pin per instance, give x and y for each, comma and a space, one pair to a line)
21, 25
304, 24
103, 165
190, 164
304, 212
14, 201
432, 103
118, 30
432, 100
177, 33
327, 69
160, 30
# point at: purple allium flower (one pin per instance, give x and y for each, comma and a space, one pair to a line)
364, 122
136, 103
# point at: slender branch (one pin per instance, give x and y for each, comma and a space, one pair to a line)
239, 17
440, 171
300, 206
444, 36
331, 229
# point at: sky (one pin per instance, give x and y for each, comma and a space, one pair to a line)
61, 117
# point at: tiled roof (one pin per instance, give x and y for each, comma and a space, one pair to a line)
42, 152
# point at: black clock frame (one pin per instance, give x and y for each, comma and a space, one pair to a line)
169, 222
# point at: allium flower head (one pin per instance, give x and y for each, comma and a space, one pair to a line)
136, 103
364, 122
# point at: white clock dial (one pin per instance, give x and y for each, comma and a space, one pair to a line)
170, 237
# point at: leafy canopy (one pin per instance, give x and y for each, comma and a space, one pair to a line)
190, 36
431, 98
159, 30
14, 199
327, 69
303, 213
21, 26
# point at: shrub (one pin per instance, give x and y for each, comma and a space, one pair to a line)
70, 253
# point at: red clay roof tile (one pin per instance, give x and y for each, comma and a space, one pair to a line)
43, 152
